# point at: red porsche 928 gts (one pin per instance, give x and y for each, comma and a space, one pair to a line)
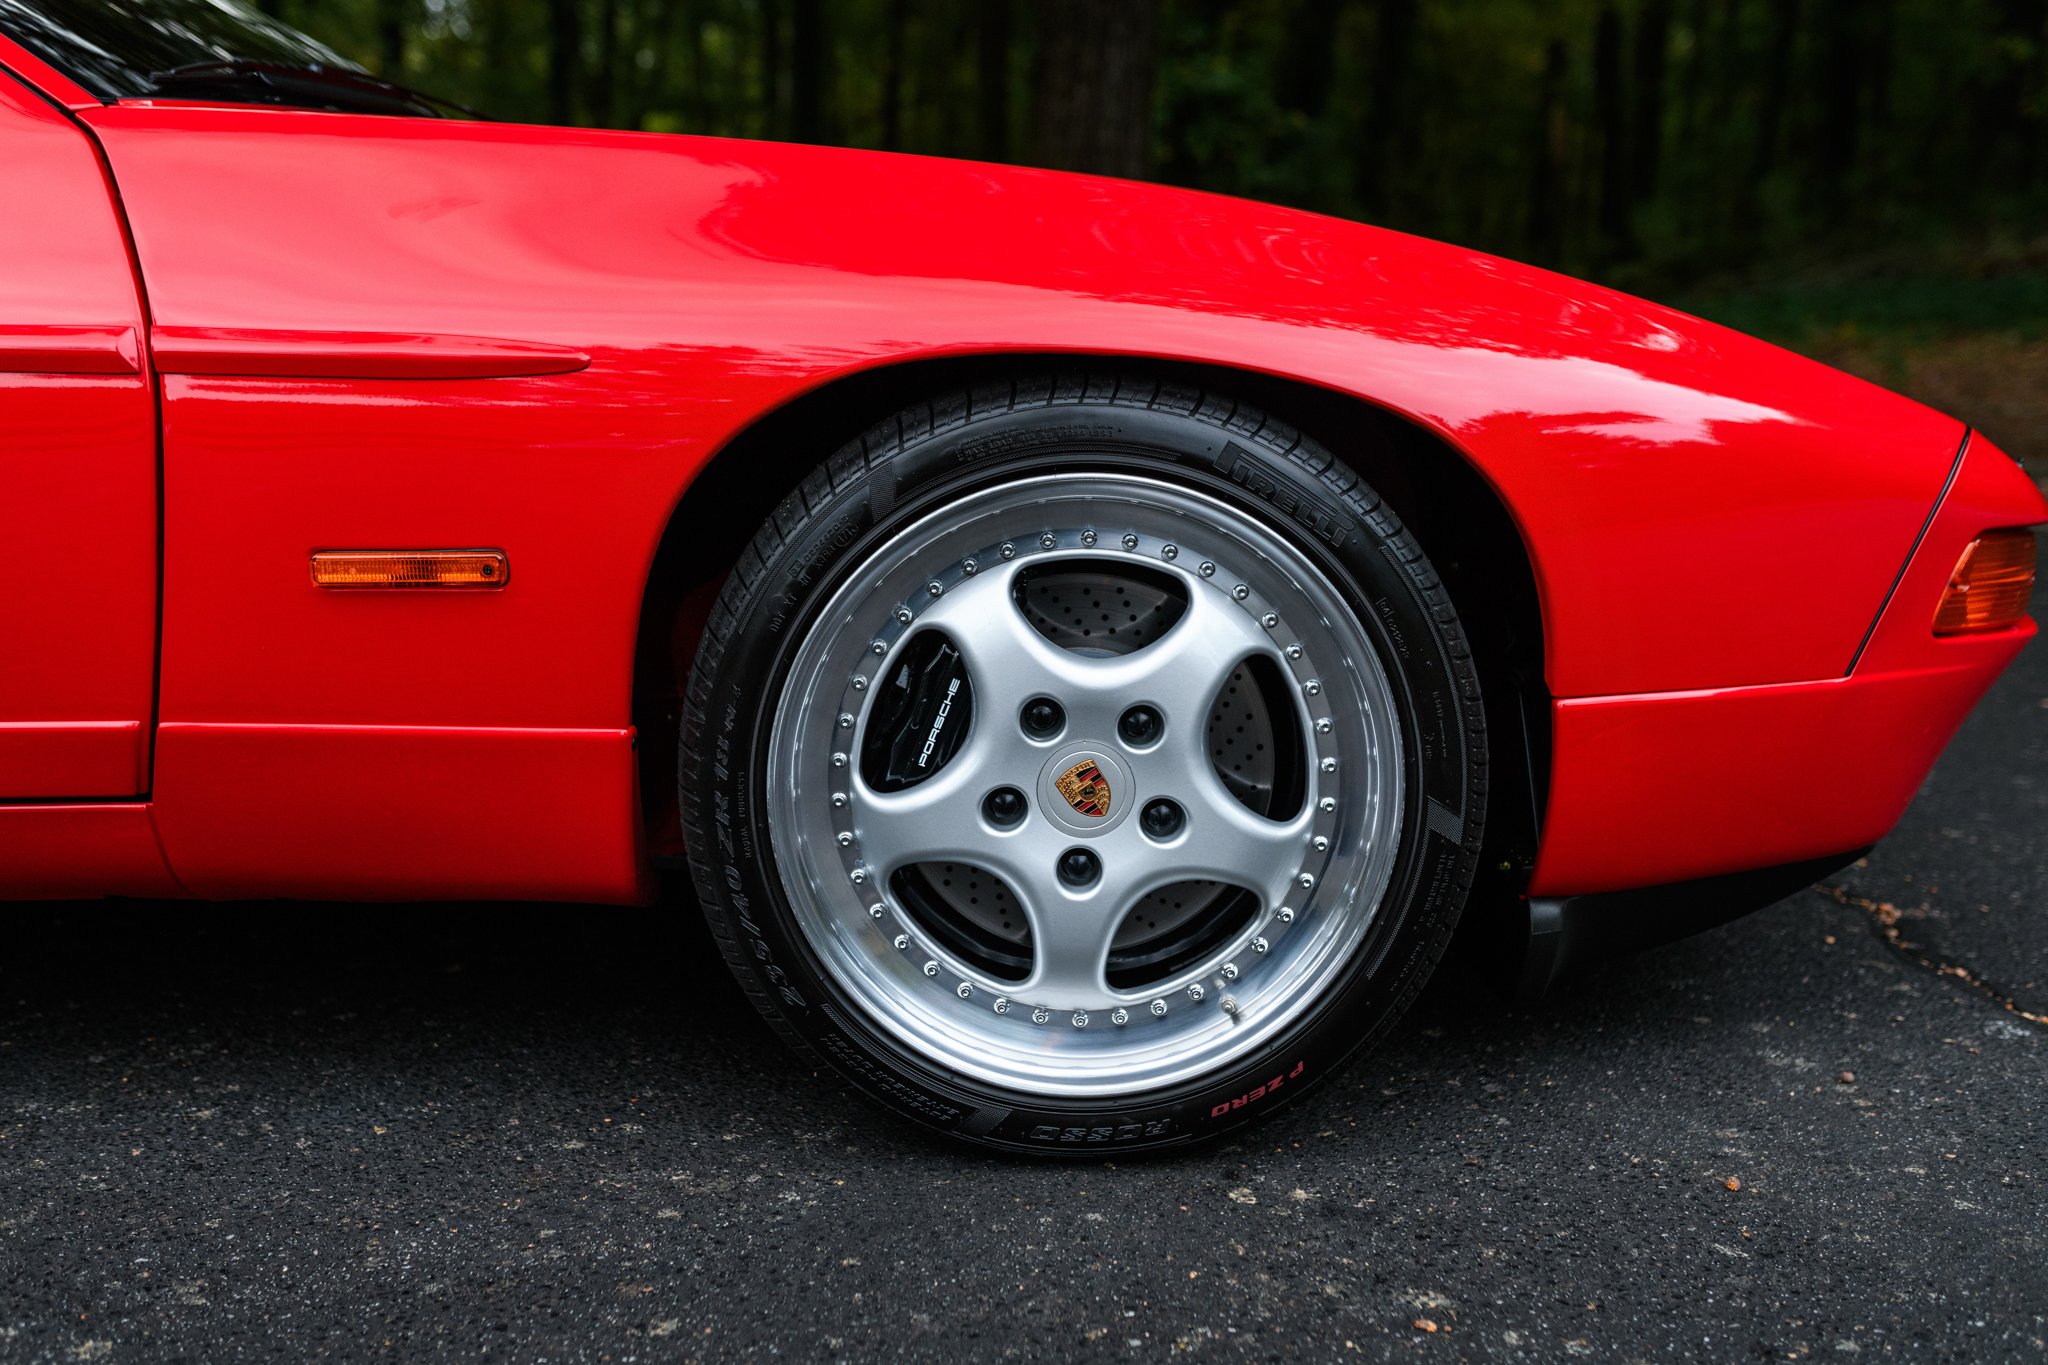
1102, 636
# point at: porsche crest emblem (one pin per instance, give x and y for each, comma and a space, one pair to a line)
1085, 788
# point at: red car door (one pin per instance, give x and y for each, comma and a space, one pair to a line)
78, 477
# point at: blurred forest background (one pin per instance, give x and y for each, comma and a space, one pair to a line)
1865, 180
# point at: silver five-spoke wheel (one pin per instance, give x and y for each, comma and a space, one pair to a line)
1085, 785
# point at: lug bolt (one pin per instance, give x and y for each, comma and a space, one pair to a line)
1004, 807
1140, 725
1042, 718
1162, 819
1079, 868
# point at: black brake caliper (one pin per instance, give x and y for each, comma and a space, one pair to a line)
920, 715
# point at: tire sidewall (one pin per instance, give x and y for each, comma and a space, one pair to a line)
855, 505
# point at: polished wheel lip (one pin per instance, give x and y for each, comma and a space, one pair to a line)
1076, 1042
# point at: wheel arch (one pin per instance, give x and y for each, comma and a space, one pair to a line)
1471, 536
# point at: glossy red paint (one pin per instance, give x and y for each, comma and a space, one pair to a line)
281, 354
78, 533
1652, 789
105, 849
325, 289
69, 350
401, 812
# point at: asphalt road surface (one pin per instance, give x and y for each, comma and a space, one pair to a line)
530, 1133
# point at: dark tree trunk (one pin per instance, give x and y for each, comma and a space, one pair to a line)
1546, 192
1386, 121
992, 78
1844, 63
604, 88
391, 39
809, 72
565, 58
1094, 92
1610, 102
774, 77
1646, 135
1309, 66
1777, 88
895, 45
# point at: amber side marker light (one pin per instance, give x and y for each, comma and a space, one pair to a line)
1990, 585
410, 568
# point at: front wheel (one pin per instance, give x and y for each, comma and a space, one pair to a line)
1083, 763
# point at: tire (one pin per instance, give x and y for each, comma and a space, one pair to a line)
1107, 543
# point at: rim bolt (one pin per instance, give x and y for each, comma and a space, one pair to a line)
1294, 651
839, 799
1119, 1016
1047, 541
1195, 991
935, 588
1008, 550
931, 968
860, 682
1088, 537
968, 566
1241, 591
1080, 1018
1140, 725
1327, 804
963, 990
902, 941
1158, 1009
1039, 1014
1207, 568
1306, 880
1286, 915
1229, 971
1079, 867
1169, 552
1320, 844
1314, 687
846, 720
876, 911
1259, 945
1269, 620
1130, 541
1162, 819
879, 647
1004, 807
1002, 1004
858, 876
839, 760
1329, 765
845, 839
1042, 718
1323, 726
903, 616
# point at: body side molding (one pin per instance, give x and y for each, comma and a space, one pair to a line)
292, 354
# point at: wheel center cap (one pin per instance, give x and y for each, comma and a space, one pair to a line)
1085, 788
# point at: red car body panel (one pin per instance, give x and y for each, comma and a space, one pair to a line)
367, 327
78, 512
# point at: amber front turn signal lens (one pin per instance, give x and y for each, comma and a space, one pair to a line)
410, 568
1991, 584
